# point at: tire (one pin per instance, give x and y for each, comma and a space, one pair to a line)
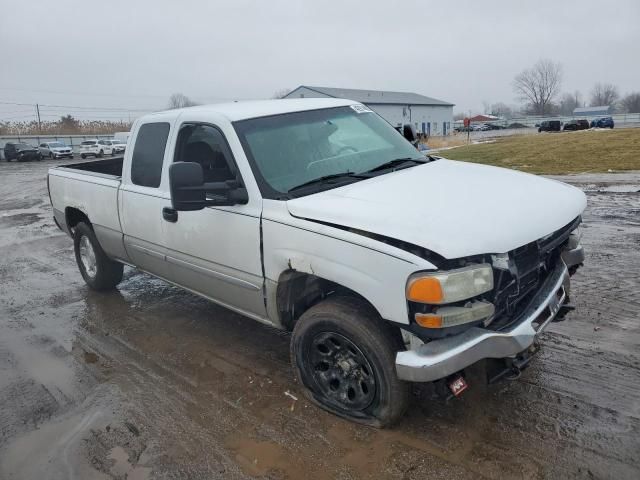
100, 153
83, 156
344, 354
99, 271
50, 155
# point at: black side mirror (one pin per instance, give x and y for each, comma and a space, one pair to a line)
186, 184
409, 132
190, 192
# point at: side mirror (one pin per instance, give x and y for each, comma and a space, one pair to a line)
186, 184
409, 132
190, 192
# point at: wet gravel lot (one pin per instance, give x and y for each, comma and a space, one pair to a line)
153, 382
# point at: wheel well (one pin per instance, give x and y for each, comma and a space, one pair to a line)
299, 291
74, 216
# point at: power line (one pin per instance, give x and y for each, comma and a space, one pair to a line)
62, 92
104, 109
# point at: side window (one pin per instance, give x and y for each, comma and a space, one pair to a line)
148, 154
205, 145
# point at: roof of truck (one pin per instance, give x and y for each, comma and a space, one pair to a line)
263, 108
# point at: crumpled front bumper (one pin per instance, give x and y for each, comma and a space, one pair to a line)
441, 358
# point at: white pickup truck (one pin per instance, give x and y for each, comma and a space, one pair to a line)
316, 216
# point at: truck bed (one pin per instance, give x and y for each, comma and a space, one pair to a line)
108, 166
92, 189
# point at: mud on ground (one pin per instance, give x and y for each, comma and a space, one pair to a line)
153, 382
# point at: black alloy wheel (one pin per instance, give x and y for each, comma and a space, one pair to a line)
340, 371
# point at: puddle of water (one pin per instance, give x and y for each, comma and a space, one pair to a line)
257, 458
52, 451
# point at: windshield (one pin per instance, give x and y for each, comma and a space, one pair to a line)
90, 142
56, 145
23, 146
291, 149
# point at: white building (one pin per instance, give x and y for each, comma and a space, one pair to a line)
430, 116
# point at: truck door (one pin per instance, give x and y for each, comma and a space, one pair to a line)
142, 198
215, 251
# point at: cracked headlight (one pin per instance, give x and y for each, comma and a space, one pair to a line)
450, 286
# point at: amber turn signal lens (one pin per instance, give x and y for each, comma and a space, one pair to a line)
425, 290
428, 320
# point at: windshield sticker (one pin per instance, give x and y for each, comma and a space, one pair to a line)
360, 108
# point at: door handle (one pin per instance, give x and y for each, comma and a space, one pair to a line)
169, 214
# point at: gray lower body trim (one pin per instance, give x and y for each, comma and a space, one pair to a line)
212, 273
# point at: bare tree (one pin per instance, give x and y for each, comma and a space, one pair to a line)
604, 94
539, 85
569, 102
631, 102
283, 92
501, 110
180, 100
69, 124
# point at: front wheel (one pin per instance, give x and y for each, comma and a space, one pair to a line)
83, 156
100, 153
343, 353
97, 269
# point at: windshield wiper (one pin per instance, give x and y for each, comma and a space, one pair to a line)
326, 178
397, 164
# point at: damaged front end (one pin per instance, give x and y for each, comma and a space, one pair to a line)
530, 288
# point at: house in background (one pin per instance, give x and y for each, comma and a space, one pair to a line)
484, 118
429, 115
601, 111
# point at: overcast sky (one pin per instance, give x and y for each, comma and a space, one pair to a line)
131, 55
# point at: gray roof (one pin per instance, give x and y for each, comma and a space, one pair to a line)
377, 96
583, 110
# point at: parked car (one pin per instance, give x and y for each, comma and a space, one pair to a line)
494, 126
95, 148
117, 146
55, 150
309, 215
603, 122
576, 125
21, 152
549, 126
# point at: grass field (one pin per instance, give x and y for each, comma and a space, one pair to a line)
556, 153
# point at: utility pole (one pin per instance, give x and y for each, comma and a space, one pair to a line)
39, 124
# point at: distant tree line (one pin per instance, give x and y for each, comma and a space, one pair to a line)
67, 125
539, 89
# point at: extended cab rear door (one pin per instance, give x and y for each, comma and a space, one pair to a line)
144, 193
216, 251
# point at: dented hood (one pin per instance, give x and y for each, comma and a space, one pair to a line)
452, 208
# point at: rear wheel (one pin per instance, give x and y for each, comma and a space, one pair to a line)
344, 355
83, 156
100, 153
97, 269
